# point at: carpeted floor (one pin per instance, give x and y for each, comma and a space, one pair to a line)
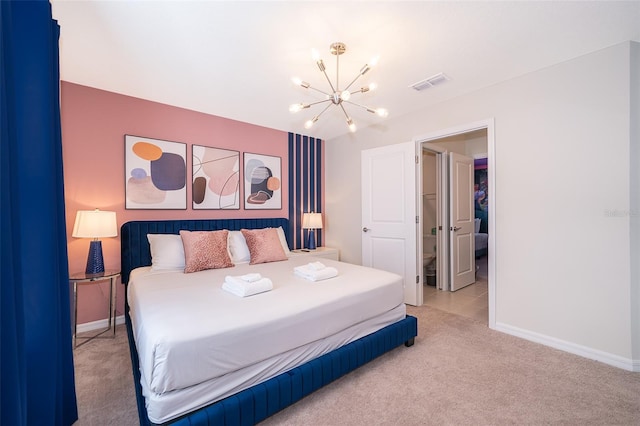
104, 382
458, 373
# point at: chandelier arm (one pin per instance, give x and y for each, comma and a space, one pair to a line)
320, 91
337, 71
356, 92
310, 123
353, 81
322, 112
361, 106
329, 81
318, 102
345, 111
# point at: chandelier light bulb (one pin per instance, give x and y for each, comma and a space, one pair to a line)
295, 107
309, 123
381, 112
352, 125
300, 83
370, 87
315, 55
345, 95
374, 61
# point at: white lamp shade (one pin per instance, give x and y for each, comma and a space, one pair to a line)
312, 221
95, 224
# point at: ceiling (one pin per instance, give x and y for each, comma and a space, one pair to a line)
235, 59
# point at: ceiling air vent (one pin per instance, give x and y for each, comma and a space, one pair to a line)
434, 80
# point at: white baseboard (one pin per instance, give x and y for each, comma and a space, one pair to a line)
98, 325
583, 351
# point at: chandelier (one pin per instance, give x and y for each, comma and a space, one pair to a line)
337, 96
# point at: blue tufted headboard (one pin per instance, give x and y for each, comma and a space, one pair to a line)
135, 246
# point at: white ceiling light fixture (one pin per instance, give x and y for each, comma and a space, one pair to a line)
337, 96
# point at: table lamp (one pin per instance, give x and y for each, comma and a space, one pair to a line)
312, 221
95, 224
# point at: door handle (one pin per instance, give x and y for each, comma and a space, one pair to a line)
456, 228
365, 229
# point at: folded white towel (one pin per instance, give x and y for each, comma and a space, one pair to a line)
316, 266
251, 277
306, 272
244, 288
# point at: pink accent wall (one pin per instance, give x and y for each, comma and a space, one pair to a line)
94, 123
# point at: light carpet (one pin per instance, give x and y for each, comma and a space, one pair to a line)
459, 372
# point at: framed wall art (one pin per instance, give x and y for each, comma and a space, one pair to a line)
262, 182
155, 173
216, 178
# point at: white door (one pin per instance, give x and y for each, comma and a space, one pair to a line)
442, 178
462, 214
389, 225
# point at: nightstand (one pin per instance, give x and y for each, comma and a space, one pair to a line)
92, 279
326, 252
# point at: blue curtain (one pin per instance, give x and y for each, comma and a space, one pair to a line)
37, 382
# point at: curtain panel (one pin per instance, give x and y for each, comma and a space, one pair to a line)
306, 182
37, 381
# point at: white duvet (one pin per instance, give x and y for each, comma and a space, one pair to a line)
189, 332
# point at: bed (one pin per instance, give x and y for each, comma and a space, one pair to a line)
266, 351
481, 240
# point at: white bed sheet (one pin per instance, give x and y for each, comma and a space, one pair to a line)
170, 405
482, 240
184, 366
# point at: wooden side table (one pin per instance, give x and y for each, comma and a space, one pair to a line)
91, 279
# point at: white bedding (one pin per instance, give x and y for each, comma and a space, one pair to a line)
198, 343
482, 241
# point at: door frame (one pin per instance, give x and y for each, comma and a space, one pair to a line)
488, 124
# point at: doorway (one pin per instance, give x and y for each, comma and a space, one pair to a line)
476, 300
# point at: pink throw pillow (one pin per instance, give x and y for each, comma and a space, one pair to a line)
264, 245
205, 250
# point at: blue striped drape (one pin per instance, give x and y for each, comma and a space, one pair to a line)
306, 182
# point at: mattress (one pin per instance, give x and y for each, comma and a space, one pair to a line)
198, 343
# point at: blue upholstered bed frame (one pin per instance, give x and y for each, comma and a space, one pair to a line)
254, 404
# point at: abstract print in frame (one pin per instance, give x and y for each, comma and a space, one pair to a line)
216, 178
155, 174
262, 182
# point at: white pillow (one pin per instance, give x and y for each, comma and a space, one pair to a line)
283, 241
477, 225
238, 249
167, 251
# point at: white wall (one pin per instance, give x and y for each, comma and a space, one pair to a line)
634, 217
472, 144
562, 144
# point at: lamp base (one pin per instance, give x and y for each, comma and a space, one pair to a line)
311, 243
95, 262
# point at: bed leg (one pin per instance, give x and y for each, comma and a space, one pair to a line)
409, 342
